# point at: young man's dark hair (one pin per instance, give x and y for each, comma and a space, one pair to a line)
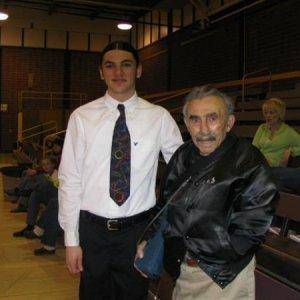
119, 45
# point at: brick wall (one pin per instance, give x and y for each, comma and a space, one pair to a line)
84, 74
43, 70
25, 69
272, 39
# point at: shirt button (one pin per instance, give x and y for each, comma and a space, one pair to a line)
221, 283
187, 237
178, 260
214, 275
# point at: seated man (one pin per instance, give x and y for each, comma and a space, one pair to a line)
220, 218
32, 176
47, 228
45, 189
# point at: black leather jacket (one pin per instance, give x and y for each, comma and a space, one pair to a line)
222, 215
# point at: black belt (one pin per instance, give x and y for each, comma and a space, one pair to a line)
116, 224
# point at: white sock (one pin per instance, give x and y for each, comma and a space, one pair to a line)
49, 248
38, 230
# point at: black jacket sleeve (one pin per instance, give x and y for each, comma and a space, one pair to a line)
254, 206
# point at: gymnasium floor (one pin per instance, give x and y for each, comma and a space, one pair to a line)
23, 275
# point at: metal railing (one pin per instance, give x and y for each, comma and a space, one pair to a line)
247, 75
239, 85
49, 100
37, 131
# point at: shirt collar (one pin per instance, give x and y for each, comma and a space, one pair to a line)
113, 103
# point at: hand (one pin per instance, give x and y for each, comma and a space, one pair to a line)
140, 254
285, 158
74, 259
31, 172
140, 249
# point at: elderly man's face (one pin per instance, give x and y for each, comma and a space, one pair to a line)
207, 122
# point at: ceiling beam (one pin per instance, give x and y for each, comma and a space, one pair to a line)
106, 4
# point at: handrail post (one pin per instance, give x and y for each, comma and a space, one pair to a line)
51, 101
243, 93
44, 146
270, 82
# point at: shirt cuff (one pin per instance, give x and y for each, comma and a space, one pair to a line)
71, 238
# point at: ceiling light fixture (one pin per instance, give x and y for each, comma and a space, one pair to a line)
124, 26
3, 15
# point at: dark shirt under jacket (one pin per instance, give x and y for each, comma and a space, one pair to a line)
223, 214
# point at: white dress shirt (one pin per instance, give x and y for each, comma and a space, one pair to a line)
84, 172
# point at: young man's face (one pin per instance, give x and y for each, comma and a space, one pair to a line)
119, 71
208, 123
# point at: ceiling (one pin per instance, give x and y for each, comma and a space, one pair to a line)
128, 10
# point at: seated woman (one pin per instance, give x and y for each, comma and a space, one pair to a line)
277, 141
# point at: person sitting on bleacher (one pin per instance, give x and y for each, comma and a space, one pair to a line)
47, 228
277, 141
56, 150
30, 178
45, 189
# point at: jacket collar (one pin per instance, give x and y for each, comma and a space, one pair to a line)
206, 161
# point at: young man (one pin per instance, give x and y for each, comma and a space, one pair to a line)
107, 179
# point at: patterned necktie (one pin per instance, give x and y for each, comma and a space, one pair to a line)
120, 160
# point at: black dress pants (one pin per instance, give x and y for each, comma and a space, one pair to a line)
108, 263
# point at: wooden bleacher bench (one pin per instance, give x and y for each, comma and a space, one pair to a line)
279, 256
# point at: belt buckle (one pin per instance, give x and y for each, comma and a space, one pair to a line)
112, 225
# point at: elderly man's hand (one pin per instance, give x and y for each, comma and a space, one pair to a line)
141, 249
140, 254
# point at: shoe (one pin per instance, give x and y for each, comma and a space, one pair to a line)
19, 209
12, 192
20, 233
274, 230
43, 251
29, 234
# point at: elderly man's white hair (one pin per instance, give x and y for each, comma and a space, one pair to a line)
201, 92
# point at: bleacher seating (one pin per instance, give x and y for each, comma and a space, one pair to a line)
279, 257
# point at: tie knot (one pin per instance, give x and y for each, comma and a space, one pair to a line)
121, 109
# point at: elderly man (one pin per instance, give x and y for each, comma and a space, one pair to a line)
222, 215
